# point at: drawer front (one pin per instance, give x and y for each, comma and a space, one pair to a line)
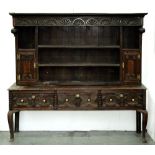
123, 100
111, 100
32, 100
100, 100
78, 100
134, 99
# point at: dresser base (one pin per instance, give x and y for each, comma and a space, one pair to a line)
97, 98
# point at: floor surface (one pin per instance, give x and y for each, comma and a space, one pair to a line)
75, 138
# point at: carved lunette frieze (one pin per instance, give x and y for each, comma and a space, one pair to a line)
55, 100
77, 21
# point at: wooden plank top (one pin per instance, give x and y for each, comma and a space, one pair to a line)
53, 87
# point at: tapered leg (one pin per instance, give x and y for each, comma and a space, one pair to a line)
144, 123
10, 122
138, 122
17, 121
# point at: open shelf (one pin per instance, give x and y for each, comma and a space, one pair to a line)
26, 37
87, 83
78, 53
79, 56
81, 46
79, 64
83, 74
79, 35
26, 50
131, 37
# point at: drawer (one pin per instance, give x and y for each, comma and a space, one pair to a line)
134, 99
77, 100
32, 100
80, 99
112, 100
122, 100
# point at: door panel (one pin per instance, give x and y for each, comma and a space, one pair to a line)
131, 67
26, 69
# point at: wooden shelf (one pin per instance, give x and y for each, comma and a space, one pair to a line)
26, 50
74, 46
77, 62
79, 65
131, 49
80, 83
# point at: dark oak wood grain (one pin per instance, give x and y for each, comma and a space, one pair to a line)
78, 62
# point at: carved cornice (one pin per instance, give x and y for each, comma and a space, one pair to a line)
45, 20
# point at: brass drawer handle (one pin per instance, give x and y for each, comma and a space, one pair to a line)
121, 95
88, 99
35, 65
44, 100
77, 95
133, 100
66, 99
33, 96
22, 100
110, 99
123, 65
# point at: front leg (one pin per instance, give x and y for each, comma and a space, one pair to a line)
138, 122
145, 117
17, 121
144, 123
11, 124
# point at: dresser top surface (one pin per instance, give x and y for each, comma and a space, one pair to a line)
85, 87
78, 14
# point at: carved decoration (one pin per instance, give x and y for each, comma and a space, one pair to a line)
30, 100
66, 105
99, 99
50, 100
133, 100
141, 30
72, 101
14, 31
131, 60
65, 21
111, 100
55, 100
77, 21
77, 101
21, 100
119, 100
26, 67
27, 57
10, 100
92, 21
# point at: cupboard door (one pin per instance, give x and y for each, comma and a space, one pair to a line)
131, 67
26, 69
